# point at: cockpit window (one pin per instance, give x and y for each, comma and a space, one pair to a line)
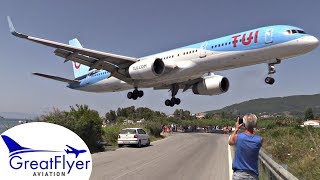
301, 32
293, 31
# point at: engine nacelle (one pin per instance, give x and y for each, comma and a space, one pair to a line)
211, 85
146, 69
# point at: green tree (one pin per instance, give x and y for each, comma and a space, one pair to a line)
111, 116
308, 114
223, 115
83, 121
182, 114
120, 120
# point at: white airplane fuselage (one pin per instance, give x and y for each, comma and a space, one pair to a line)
263, 45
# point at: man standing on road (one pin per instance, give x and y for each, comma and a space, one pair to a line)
245, 163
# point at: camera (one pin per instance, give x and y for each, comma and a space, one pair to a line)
240, 120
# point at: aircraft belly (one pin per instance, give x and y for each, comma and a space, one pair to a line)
111, 84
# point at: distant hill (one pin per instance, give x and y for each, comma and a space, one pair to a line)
290, 105
18, 115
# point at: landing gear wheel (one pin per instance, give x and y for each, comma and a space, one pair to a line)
167, 102
171, 104
129, 95
269, 80
140, 94
135, 96
177, 101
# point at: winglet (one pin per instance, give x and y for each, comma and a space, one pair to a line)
13, 30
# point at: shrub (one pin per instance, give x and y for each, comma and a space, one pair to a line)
154, 129
112, 132
86, 123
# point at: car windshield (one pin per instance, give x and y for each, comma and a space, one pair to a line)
128, 131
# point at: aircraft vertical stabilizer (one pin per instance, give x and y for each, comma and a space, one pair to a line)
78, 69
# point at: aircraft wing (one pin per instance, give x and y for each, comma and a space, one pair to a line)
92, 58
182, 85
56, 78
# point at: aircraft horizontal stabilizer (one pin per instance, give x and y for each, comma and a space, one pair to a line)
56, 78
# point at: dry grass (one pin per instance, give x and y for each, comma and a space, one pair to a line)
297, 148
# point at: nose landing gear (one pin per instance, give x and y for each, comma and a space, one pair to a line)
271, 70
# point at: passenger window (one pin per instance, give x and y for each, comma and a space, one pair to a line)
219, 45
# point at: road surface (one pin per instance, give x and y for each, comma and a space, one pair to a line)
182, 156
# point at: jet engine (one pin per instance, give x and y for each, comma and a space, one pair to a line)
149, 69
211, 85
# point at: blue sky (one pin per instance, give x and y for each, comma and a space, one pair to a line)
139, 28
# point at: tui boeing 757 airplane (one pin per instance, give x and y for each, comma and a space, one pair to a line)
188, 67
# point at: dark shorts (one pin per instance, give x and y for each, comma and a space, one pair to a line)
239, 175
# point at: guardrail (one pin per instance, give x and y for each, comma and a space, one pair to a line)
269, 169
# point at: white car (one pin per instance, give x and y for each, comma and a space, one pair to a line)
133, 136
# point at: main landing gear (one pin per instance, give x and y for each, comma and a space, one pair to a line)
135, 94
173, 101
271, 70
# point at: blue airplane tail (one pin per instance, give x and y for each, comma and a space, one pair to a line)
78, 69
11, 144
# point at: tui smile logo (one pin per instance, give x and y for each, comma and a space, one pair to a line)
57, 154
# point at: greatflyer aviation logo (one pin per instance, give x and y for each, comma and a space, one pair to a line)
43, 151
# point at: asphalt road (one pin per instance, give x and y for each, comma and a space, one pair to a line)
182, 156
